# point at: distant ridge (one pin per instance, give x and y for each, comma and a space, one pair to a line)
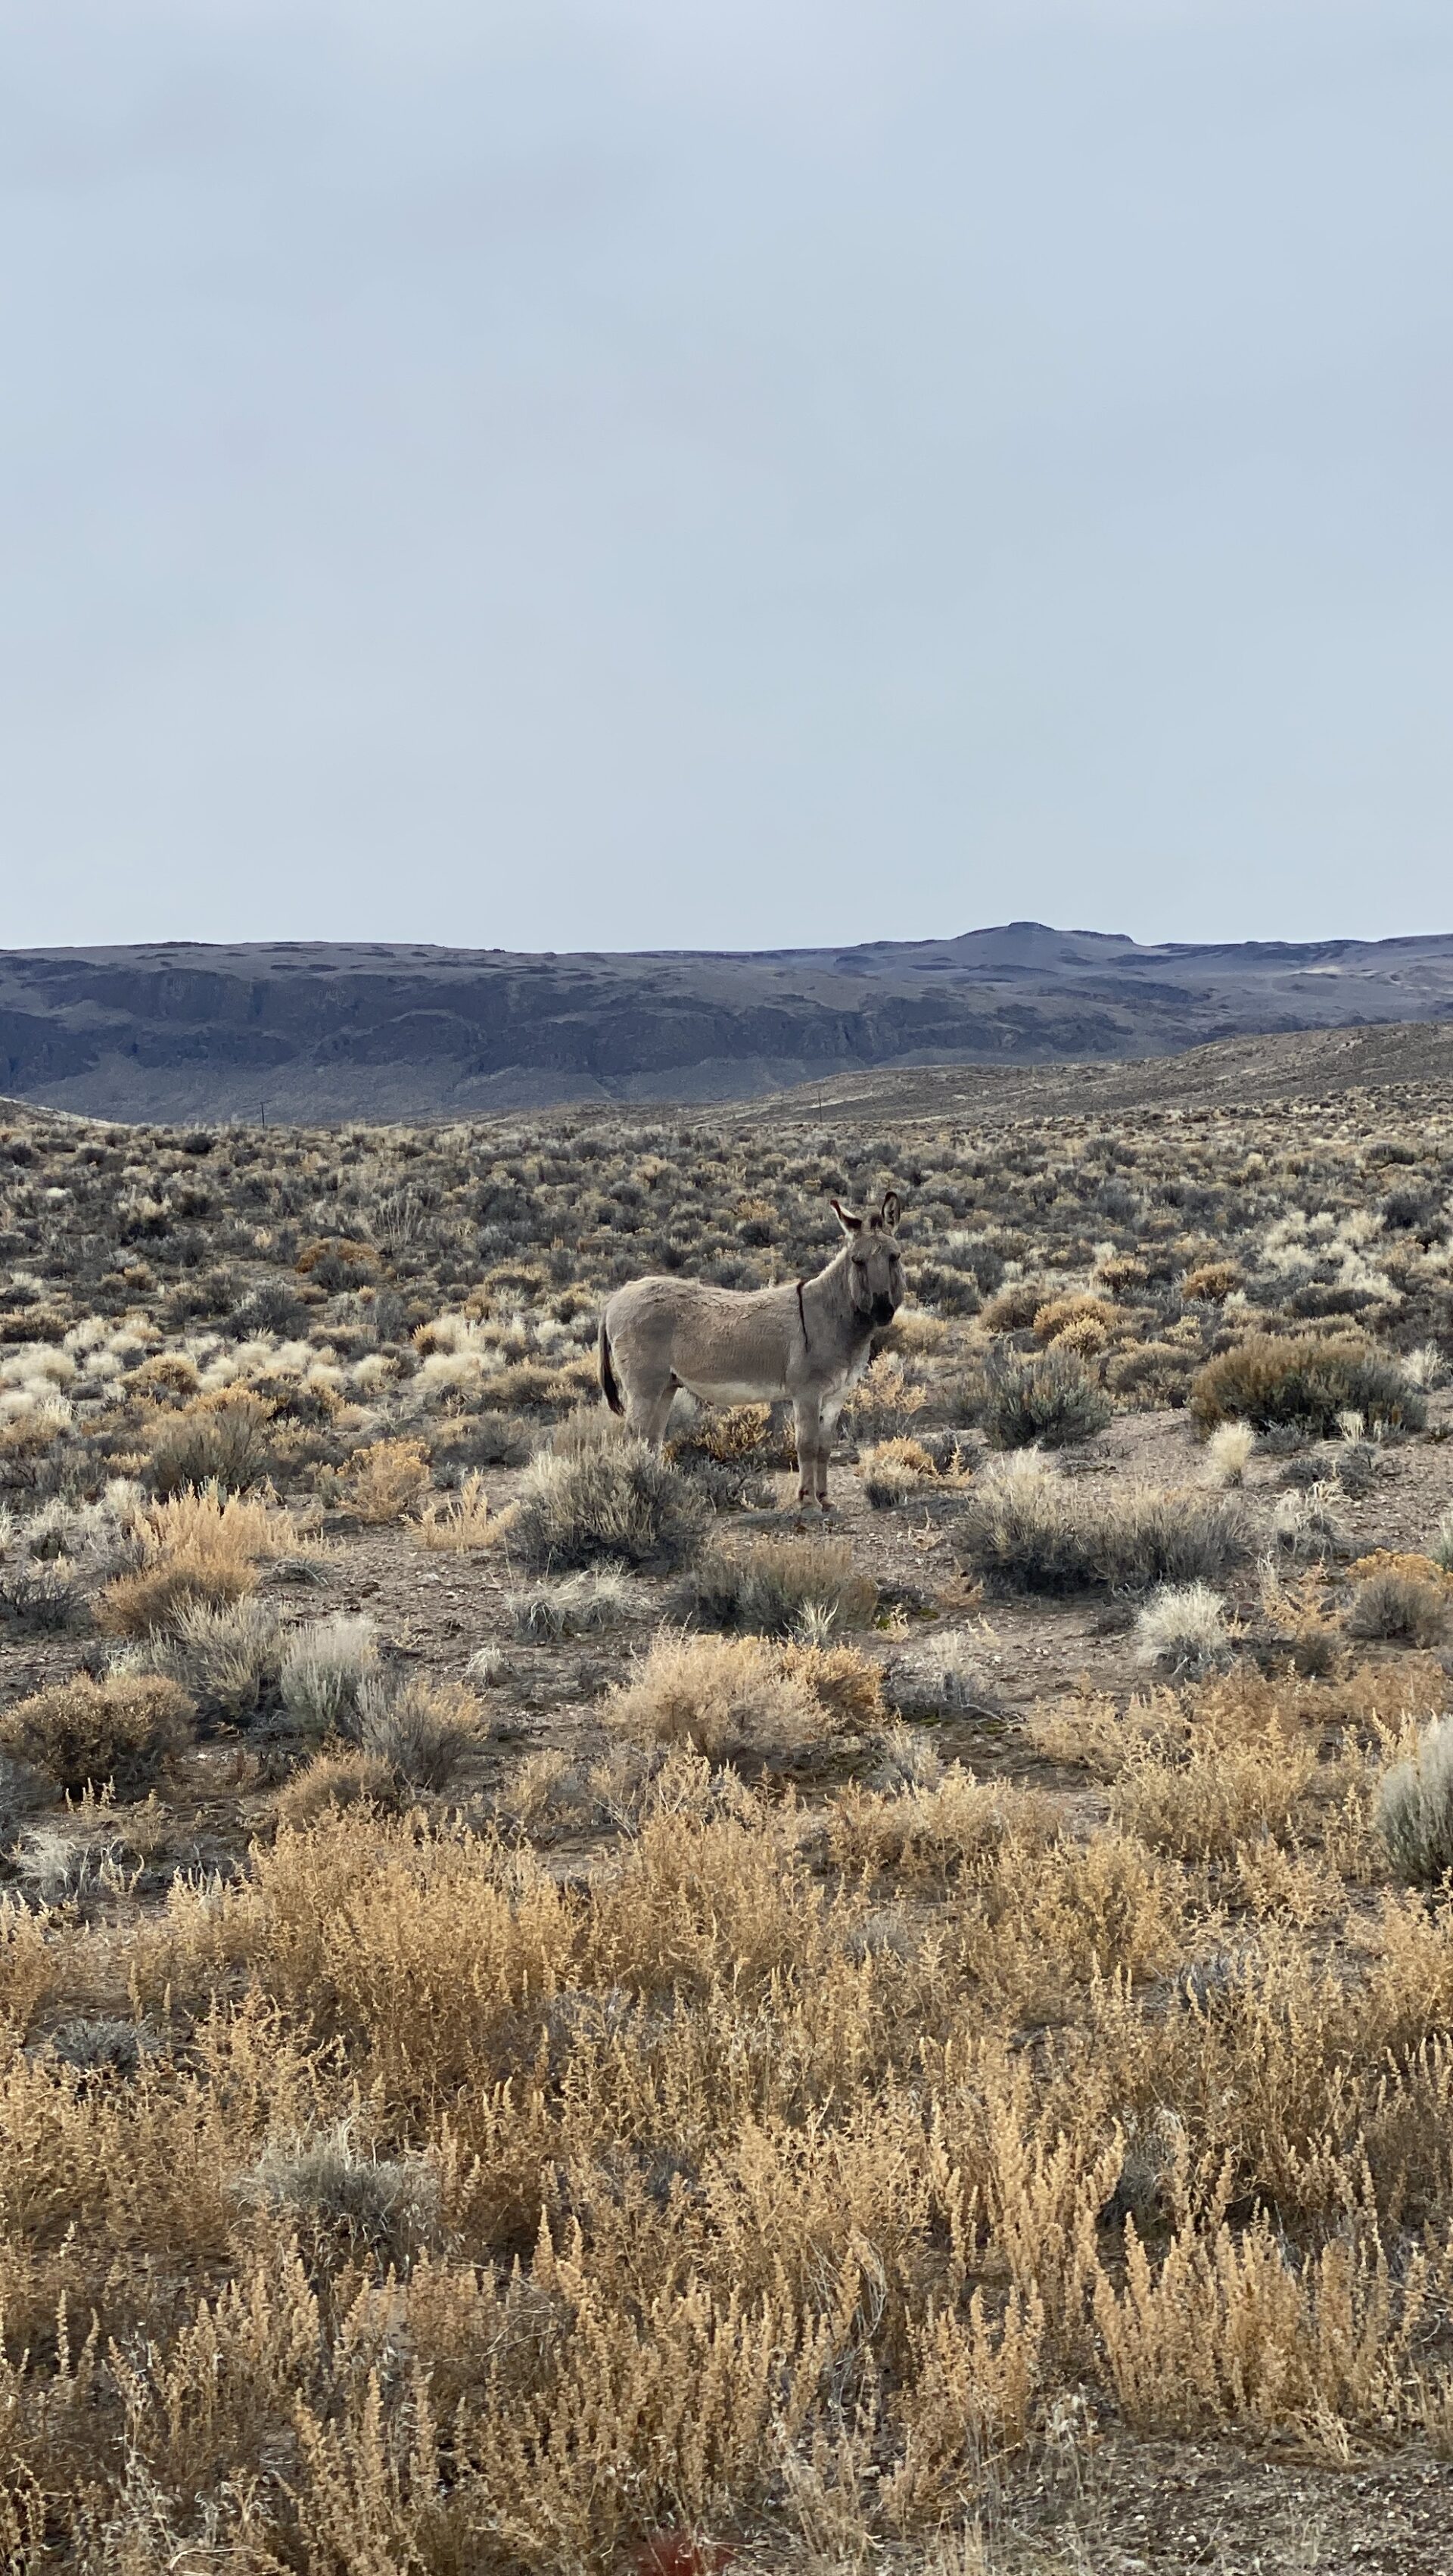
178, 1030
1396, 1070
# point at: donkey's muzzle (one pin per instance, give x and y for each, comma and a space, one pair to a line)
884, 1310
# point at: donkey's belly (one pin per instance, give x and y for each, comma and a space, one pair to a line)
728, 1390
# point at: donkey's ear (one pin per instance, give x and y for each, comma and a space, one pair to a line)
850, 1224
891, 1211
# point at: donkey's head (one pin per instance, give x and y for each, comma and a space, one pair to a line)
875, 1265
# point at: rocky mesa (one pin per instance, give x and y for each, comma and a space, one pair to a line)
320, 1030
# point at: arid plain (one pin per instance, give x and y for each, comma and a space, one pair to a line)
558, 2014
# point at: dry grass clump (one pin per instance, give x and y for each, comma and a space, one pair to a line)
618, 1503
572, 1604
1229, 1452
83, 1733
1025, 1529
948, 1677
228, 1658
324, 1668
1305, 1381
420, 1728
465, 1524
1205, 1774
199, 1549
1183, 1630
342, 1778
848, 1684
735, 1433
893, 1471
781, 1587
385, 1480
1407, 1603
1050, 1398
726, 1697
920, 1833
341, 2201
1415, 1807
221, 1439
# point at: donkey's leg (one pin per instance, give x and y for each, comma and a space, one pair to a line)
648, 1402
830, 1414
660, 1416
806, 1416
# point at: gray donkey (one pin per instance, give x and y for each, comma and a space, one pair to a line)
809, 1340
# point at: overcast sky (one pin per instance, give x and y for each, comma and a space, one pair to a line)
615, 473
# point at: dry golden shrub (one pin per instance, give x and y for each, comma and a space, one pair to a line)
1058, 1316
726, 1696
334, 1779
385, 1480
165, 1373
126, 1729
737, 1431
219, 1438
935, 1833
1210, 1283
199, 1549
1014, 1307
160, 1595
465, 1523
1409, 1563
848, 1684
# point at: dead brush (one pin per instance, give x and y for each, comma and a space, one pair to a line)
323, 1670
729, 1436
466, 1523
1026, 1529
384, 1481
1182, 1630
615, 1503
126, 1729
726, 1697
217, 1439
421, 1728
1415, 1808
229, 1658
932, 1834
1296, 1612
572, 1604
1404, 1599
331, 1779
1197, 1773
343, 2202
199, 1549
778, 1587
894, 1471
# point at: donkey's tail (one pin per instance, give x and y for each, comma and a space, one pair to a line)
608, 1386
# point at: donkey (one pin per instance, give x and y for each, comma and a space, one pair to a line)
809, 1340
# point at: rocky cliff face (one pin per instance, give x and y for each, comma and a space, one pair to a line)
394, 1030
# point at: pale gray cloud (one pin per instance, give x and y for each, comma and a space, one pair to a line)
614, 472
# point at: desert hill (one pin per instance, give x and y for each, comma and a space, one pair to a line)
378, 1030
